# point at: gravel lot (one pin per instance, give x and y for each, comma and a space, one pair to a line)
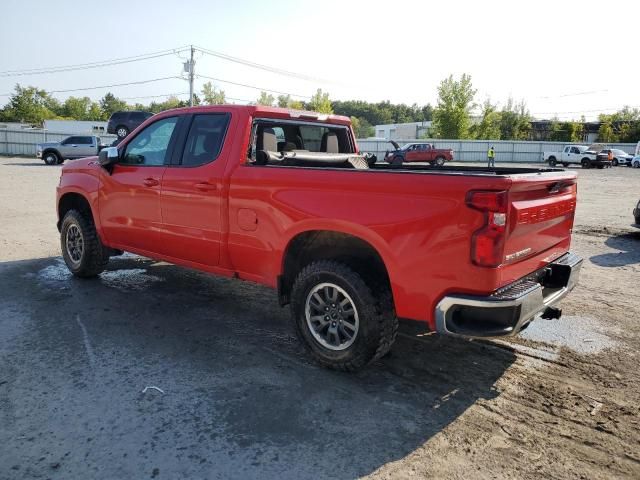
237, 397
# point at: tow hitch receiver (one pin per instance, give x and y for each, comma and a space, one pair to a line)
552, 313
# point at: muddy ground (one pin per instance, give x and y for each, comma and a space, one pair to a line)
237, 397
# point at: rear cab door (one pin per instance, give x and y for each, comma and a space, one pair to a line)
193, 189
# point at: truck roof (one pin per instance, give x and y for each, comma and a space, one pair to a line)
261, 110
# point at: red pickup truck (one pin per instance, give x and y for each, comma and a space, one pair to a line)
418, 152
284, 198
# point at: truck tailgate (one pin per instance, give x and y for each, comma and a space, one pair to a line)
541, 213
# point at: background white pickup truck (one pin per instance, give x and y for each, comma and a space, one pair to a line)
570, 154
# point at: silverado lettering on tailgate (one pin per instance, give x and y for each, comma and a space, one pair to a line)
537, 214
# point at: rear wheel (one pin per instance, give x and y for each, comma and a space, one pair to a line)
51, 158
552, 161
344, 321
122, 131
82, 249
439, 161
586, 163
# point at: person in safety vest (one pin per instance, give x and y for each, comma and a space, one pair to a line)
491, 157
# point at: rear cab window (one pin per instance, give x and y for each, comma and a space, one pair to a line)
300, 143
205, 139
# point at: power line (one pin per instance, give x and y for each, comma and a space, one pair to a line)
252, 86
155, 96
591, 92
586, 111
86, 66
103, 86
261, 66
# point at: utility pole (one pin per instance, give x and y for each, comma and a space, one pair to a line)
191, 73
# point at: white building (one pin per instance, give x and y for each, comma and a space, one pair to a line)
394, 131
86, 127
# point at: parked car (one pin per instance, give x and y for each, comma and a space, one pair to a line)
570, 154
418, 152
285, 199
77, 146
122, 123
635, 161
620, 157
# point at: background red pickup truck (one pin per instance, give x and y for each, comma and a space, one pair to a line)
285, 199
418, 152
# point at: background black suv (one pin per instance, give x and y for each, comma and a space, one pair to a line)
121, 123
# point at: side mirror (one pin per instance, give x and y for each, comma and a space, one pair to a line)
108, 156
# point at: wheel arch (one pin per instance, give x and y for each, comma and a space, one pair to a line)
51, 150
73, 200
363, 255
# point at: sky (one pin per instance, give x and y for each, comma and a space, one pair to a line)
563, 58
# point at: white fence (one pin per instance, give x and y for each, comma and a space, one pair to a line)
23, 142
476, 150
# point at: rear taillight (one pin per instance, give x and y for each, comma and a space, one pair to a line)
487, 243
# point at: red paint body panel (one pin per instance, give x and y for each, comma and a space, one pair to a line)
418, 222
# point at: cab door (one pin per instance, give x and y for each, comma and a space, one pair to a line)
129, 202
191, 201
412, 154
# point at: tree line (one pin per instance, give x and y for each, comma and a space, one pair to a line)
457, 114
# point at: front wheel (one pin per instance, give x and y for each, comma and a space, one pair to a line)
396, 161
51, 158
615, 162
82, 249
342, 322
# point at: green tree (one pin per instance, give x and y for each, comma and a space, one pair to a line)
265, 99
452, 115
110, 104
606, 133
77, 108
515, 121
320, 102
212, 96
361, 127
489, 126
29, 105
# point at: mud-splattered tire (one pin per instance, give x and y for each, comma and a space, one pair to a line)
82, 249
375, 317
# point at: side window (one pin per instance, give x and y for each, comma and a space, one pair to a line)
566, 149
149, 147
137, 117
84, 141
205, 139
575, 150
71, 141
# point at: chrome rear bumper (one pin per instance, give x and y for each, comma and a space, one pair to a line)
510, 309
